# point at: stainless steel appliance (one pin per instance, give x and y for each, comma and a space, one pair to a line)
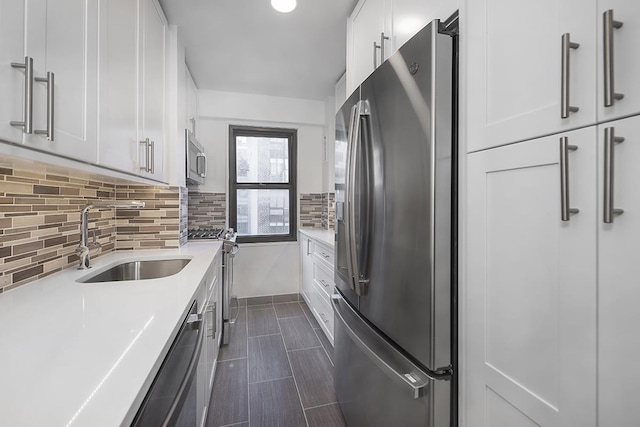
179, 394
230, 250
172, 398
230, 308
395, 214
196, 159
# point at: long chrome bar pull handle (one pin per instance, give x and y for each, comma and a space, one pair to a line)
609, 24
376, 46
609, 172
565, 107
145, 143
50, 82
382, 39
566, 211
152, 157
27, 121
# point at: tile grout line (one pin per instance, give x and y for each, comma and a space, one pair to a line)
231, 360
272, 379
306, 348
265, 335
304, 414
323, 405
317, 336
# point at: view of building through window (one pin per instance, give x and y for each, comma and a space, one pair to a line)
263, 186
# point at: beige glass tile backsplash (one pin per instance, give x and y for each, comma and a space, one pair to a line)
40, 218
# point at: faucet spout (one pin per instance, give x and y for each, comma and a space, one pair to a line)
83, 250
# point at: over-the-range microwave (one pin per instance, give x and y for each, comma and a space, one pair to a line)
196, 159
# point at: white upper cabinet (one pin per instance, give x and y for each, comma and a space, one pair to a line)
340, 92
410, 16
378, 28
132, 86
365, 30
12, 80
192, 102
118, 109
515, 68
61, 37
624, 59
154, 27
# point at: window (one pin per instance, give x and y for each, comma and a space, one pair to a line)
262, 183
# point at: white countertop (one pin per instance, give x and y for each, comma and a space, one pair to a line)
324, 236
84, 354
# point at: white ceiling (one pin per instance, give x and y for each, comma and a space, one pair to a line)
246, 46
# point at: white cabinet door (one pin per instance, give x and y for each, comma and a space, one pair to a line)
61, 36
306, 261
192, 103
514, 68
530, 302
118, 109
364, 29
626, 58
618, 282
153, 87
12, 80
410, 16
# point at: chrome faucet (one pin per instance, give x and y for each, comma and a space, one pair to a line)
84, 250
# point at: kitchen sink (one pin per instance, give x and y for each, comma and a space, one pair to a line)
139, 270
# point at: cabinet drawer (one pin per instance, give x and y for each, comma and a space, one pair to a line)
323, 253
323, 280
324, 314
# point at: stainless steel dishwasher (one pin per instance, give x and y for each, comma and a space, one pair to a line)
172, 398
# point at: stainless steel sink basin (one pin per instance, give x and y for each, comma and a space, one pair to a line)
139, 270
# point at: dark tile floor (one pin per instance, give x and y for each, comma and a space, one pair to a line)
277, 369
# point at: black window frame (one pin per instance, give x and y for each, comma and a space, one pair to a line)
234, 186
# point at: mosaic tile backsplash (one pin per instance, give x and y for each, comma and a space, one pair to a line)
311, 210
207, 210
40, 219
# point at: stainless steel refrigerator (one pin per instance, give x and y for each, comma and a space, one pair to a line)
395, 224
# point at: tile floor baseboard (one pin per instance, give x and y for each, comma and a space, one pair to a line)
276, 369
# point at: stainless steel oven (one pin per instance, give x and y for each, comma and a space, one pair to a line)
230, 250
196, 159
230, 309
172, 398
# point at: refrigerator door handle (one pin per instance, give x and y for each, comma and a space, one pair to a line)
395, 365
348, 224
359, 282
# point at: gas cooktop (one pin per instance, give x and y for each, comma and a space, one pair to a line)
206, 233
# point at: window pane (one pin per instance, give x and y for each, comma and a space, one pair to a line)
262, 159
262, 212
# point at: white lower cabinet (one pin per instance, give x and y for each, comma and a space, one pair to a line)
317, 280
619, 281
306, 266
550, 305
213, 329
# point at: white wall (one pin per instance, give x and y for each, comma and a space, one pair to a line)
328, 165
267, 268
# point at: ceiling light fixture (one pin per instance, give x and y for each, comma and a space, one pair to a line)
284, 6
